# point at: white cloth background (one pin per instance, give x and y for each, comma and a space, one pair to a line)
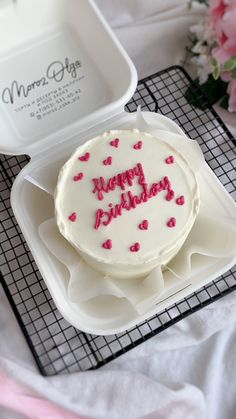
189, 370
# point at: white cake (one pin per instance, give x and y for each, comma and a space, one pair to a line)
126, 201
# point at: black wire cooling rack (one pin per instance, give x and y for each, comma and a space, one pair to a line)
57, 346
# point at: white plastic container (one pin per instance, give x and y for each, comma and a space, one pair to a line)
61, 71
64, 78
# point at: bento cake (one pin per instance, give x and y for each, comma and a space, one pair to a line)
126, 201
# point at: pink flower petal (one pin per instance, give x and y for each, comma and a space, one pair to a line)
221, 55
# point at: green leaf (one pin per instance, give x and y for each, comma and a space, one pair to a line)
214, 62
230, 64
203, 2
216, 69
213, 89
224, 102
216, 73
233, 73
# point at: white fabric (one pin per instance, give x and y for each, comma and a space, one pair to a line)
188, 371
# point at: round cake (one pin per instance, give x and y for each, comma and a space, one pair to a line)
126, 201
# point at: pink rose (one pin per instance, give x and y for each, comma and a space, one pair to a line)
226, 76
231, 90
223, 19
216, 12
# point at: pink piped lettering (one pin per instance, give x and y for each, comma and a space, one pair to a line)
99, 215
170, 195
121, 180
129, 202
109, 216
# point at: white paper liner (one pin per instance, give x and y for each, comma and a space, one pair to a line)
211, 236
85, 283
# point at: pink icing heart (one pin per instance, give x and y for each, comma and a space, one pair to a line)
78, 177
138, 145
170, 160
107, 245
108, 161
135, 247
170, 195
171, 222
144, 225
72, 217
115, 143
85, 157
180, 200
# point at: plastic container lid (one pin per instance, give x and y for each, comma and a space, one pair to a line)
61, 71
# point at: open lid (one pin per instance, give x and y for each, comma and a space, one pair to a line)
61, 70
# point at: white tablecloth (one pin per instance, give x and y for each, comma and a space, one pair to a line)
188, 371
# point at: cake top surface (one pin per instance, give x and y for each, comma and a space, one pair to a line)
126, 197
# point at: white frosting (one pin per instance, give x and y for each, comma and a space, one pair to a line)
159, 243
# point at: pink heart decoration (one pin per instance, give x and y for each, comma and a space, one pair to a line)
170, 160
170, 195
180, 200
172, 222
78, 177
115, 143
73, 217
144, 225
135, 247
108, 161
138, 145
107, 244
85, 157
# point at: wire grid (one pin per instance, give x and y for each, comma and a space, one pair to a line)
56, 345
